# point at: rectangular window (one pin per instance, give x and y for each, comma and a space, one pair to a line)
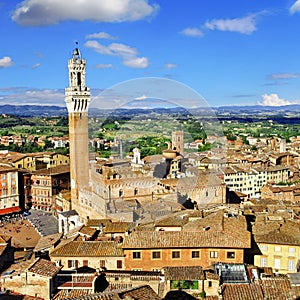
119, 264
102, 263
277, 263
277, 248
156, 255
291, 265
213, 254
195, 254
264, 248
230, 254
263, 261
291, 250
175, 254
136, 255
72, 263
3, 176
85, 263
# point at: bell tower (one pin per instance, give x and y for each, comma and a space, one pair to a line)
77, 98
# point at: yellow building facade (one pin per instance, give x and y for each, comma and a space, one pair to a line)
283, 258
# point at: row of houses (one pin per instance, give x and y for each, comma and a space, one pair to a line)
192, 251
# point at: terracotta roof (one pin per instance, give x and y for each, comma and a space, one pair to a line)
97, 222
185, 239
276, 231
7, 168
118, 227
242, 292
277, 237
144, 292
276, 288
184, 273
44, 268
88, 249
61, 169
87, 230
46, 242
175, 219
216, 221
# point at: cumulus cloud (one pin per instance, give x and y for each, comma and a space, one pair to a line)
295, 7
193, 32
100, 35
273, 100
170, 66
284, 76
28, 96
245, 25
50, 12
136, 62
5, 62
128, 54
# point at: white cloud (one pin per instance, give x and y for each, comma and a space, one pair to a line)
245, 25
49, 12
273, 100
28, 96
285, 76
36, 65
128, 54
103, 66
100, 35
5, 62
193, 32
170, 66
295, 7
143, 97
136, 62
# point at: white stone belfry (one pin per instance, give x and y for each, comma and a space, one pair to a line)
137, 157
77, 94
77, 98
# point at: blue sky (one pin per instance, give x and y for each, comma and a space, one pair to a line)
230, 52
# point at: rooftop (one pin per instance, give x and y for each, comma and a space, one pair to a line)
88, 249
44, 268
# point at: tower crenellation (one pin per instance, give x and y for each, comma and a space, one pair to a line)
77, 94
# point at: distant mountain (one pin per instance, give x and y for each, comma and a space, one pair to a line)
41, 110
286, 108
33, 110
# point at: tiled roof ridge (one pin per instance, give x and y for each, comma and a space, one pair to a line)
166, 239
82, 248
282, 238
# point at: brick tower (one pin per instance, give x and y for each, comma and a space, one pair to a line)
77, 97
178, 141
